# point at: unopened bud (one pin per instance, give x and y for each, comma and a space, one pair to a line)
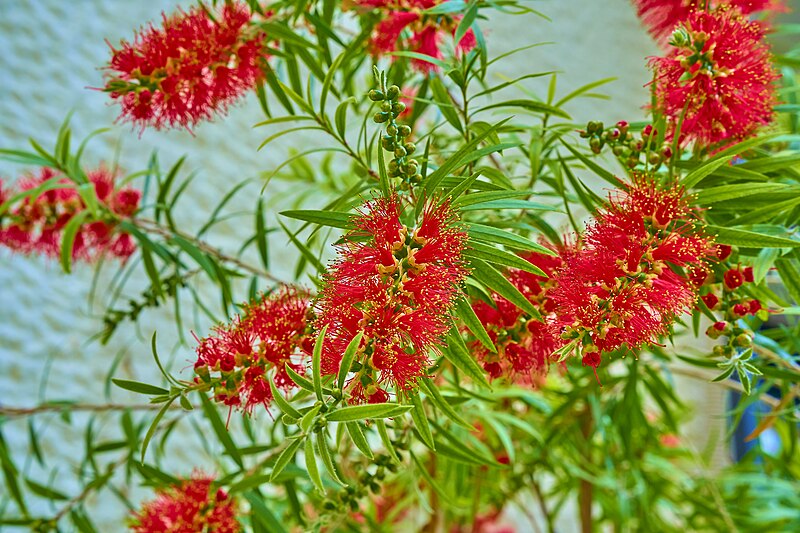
393, 92
404, 131
380, 117
376, 95
398, 108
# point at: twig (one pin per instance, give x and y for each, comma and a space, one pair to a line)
154, 227
728, 384
94, 408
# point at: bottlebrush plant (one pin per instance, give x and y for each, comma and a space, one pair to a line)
489, 303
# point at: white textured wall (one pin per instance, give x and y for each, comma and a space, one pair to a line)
50, 51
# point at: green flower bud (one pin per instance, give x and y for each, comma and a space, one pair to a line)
393, 93
376, 95
386, 107
654, 158
380, 117
399, 151
398, 107
391, 129
404, 131
410, 147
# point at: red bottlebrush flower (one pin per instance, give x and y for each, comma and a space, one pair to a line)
733, 278
396, 284
754, 307
271, 334
36, 224
747, 272
719, 71
723, 251
188, 70
711, 300
620, 287
662, 16
424, 32
524, 344
188, 506
741, 309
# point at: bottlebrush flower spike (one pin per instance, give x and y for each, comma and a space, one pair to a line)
35, 225
719, 71
620, 287
424, 32
396, 284
662, 16
188, 70
189, 506
240, 358
524, 345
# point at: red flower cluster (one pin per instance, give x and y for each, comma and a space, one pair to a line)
524, 344
36, 224
718, 71
622, 286
188, 70
270, 334
662, 16
424, 31
187, 507
396, 284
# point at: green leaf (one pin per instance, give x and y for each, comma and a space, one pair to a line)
316, 359
490, 254
790, 275
359, 439
420, 420
584, 89
460, 357
497, 205
750, 239
363, 412
456, 160
706, 169
491, 278
141, 388
347, 359
68, 239
262, 513
466, 313
426, 475
383, 180
466, 22
493, 235
594, 167
445, 103
325, 455
261, 234
210, 410
387, 441
283, 405
432, 391
334, 219
45, 492
739, 190
529, 105
340, 117
303, 249
311, 466
154, 425
285, 456
195, 253
299, 380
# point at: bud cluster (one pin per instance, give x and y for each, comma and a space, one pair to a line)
629, 148
727, 281
394, 140
370, 480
